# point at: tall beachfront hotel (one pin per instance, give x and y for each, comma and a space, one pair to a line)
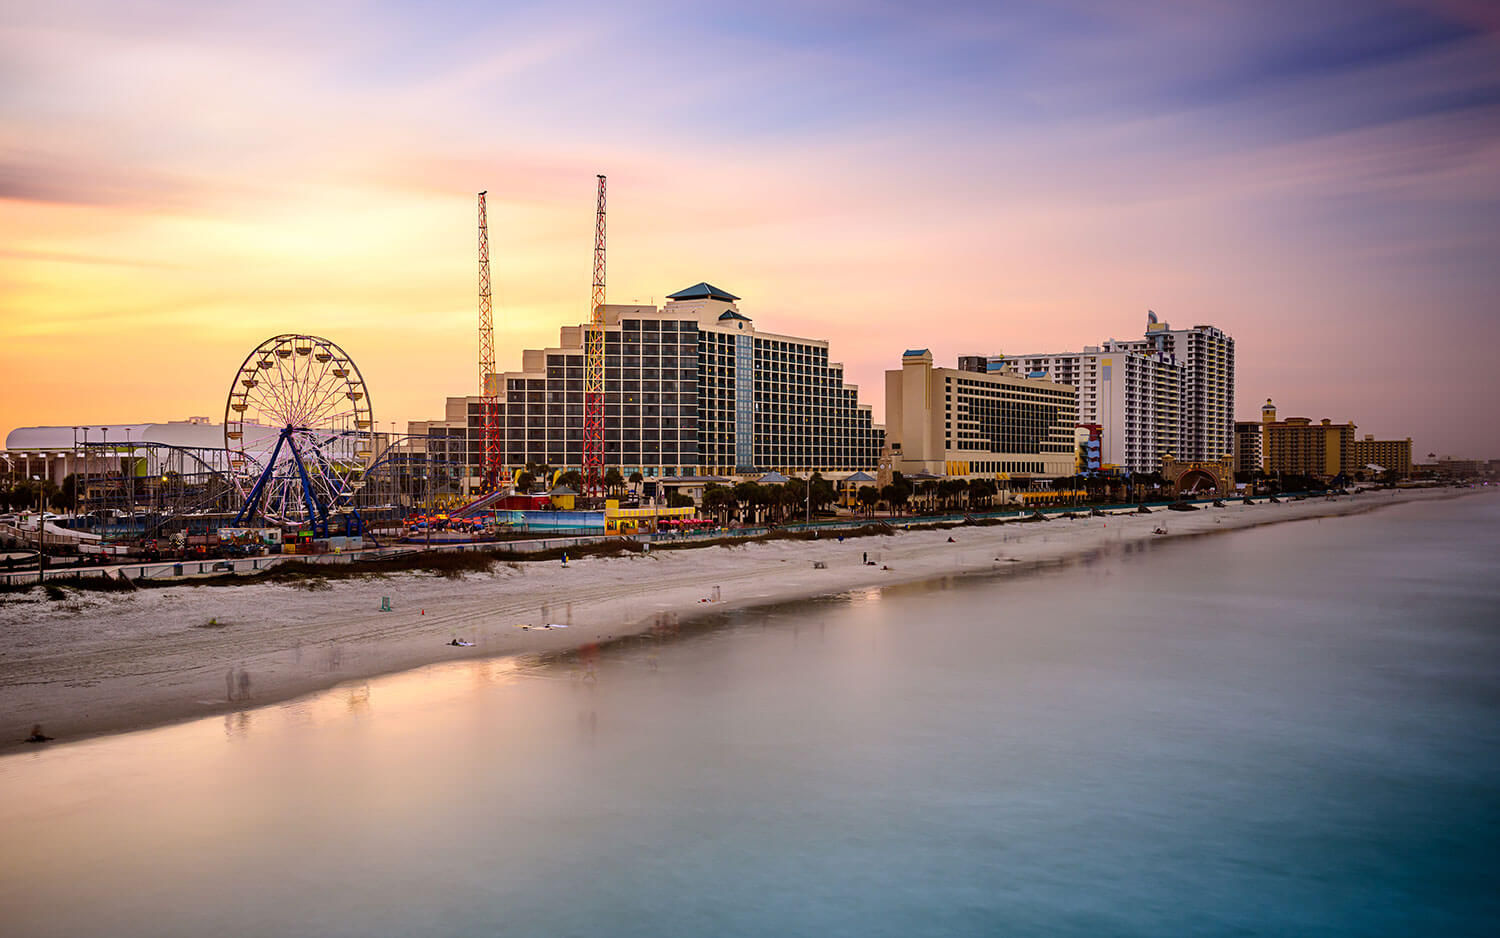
1133, 396
1207, 408
691, 388
1169, 394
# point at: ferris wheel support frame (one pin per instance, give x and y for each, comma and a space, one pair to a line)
317, 512
312, 389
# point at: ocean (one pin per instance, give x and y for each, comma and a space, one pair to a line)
1287, 730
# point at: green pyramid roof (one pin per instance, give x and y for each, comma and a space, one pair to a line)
702, 291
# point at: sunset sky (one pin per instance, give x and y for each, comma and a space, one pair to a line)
1320, 179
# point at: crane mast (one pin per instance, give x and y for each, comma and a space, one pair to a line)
593, 369
489, 393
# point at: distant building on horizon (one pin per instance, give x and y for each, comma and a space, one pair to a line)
56, 452
964, 423
1297, 446
1450, 467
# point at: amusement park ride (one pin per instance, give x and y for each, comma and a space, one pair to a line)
301, 449
298, 429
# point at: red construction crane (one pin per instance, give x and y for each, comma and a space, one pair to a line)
489, 392
593, 370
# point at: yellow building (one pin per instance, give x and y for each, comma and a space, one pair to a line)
619, 520
1392, 455
1297, 446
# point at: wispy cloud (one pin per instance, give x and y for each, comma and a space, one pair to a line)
970, 176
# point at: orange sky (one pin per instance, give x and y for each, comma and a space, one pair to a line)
179, 185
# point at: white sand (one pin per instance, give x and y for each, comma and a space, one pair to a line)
102, 662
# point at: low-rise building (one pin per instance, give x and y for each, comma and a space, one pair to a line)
950, 422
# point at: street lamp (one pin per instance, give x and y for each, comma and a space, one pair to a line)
130, 484
41, 512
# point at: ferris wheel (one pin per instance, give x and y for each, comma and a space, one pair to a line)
298, 430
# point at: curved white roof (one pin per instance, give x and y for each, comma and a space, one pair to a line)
195, 431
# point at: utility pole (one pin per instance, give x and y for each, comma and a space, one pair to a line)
131, 484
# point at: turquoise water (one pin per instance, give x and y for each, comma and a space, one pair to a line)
1292, 730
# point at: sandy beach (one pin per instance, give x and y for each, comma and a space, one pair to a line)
107, 662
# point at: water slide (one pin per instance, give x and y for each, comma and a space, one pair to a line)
479, 504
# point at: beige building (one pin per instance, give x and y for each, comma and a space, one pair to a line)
950, 422
1393, 456
1297, 446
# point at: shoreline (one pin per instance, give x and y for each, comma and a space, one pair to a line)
97, 664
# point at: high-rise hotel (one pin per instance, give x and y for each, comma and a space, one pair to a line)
1169, 394
1207, 407
690, 388
1134, 397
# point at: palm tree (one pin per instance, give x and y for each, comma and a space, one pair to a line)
749, 495
613, 481
717, 500
868, 496
902, 495
636, 479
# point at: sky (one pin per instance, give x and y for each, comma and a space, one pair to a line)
179, 181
